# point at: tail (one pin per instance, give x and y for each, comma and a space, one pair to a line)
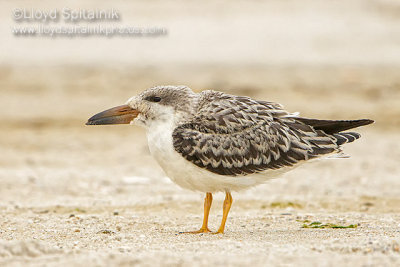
346, 137
335, 128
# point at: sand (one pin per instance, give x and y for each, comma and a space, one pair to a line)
73, 195
93, 196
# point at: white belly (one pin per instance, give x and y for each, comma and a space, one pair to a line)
189, 176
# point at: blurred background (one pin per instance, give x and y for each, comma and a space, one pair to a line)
334, 60
342, 56
325, 59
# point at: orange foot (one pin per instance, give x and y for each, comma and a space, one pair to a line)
218, 232
202, 230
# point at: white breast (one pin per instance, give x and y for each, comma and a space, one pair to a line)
178, 169
189, 176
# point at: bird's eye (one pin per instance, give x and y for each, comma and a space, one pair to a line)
153, 98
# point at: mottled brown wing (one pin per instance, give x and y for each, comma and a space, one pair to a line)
240, 136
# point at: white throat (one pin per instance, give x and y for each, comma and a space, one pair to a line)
159, 138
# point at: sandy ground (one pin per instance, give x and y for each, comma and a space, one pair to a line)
93, 196
72, 195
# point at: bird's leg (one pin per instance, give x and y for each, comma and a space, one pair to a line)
207, 205
227, 206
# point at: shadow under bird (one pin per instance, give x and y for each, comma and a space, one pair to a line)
212, 141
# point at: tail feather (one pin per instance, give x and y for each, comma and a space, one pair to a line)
346, 137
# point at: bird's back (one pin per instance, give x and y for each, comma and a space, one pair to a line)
233, 135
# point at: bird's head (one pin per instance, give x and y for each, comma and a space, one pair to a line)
158, 103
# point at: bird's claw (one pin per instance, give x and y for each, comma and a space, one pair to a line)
201, 231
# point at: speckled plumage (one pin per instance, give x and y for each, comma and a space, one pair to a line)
212, 141
236, 135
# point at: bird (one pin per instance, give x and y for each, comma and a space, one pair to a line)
214, 142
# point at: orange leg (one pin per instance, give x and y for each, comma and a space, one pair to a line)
207, 205
227, 206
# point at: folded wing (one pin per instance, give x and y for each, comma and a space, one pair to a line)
233, 135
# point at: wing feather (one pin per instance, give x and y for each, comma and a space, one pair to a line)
239, 136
